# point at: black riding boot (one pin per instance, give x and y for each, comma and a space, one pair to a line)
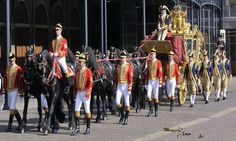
11, 116
67, 86
171, 105
19, 120
150, 108
156, 109
76, 131
126, 117
121, 115
87, 131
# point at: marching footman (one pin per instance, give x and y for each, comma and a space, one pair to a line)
226, 74
190, 73
217, 75
205, 73
82, 89
154, 77
12, 85
173, 78
125, 80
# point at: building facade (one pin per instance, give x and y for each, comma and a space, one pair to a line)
229, 14
120, 21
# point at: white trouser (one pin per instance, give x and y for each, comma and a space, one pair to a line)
44, 102
171, 87
80, 98
12, 96
161, 34
192, 98
62, 63
122, 90
224, 92
153, 89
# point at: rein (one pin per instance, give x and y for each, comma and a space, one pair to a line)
137, 58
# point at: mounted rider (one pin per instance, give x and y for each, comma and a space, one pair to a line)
59, 50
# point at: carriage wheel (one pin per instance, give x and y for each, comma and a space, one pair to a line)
182, 94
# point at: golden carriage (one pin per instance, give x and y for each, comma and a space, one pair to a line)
183, 40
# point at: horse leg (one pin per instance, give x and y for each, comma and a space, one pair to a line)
39, 111
51, 112
98, 118
69, 105
111, 102
104, 103
26, 103
138, 97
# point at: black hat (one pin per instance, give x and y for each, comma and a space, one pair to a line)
82, 57
153, 50
58, 26
12, 56
29, 53
123, 54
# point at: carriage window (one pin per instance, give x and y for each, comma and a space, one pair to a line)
189, 45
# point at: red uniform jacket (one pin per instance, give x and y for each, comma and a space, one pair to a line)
59, 46
172, 71
83, 81
13, 78
125, 74
154, 70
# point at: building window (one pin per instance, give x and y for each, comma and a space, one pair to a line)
233, 10
210, 27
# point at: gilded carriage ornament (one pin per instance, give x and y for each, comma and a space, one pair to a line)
178, 21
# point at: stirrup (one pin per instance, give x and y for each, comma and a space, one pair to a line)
67, 90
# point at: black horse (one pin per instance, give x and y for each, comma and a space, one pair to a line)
103, 85
32, 85
52, 77
138, 92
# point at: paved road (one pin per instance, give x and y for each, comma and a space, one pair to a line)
214, 121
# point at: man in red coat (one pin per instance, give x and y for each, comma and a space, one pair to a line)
59, 50
13, 85
154, 80
124, 87
82, 89
173, 78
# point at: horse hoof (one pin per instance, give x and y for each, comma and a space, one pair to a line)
55, 131
46, 132
105, 118
70, 127
98, 121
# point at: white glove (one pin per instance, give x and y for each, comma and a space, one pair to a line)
163, 84
146, 87
129, 92
55, 54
